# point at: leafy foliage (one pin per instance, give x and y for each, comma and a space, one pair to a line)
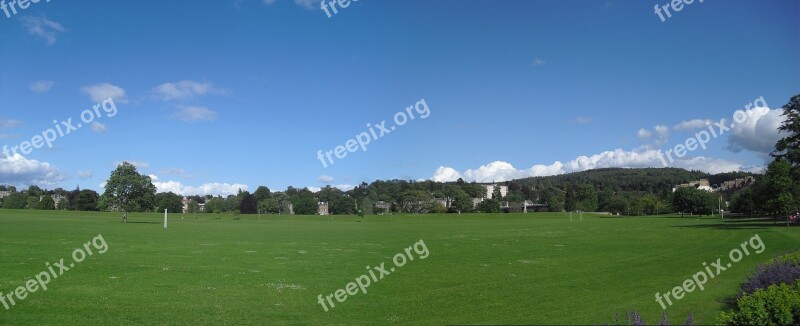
776, 305
785, 269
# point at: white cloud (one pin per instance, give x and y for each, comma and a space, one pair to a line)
691, 125
43, 28
99, 127
499, 171
214, 189
41, 86
185, 89
446, 174
344, 187
101, 92
663, 134
85, 174
195, 113
177, 172
138, 164
19, 170
8, 123
644, 134
308, 4
325, 179
581, 120
758, 133
538, 62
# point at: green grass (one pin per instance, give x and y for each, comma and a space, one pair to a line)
482, 269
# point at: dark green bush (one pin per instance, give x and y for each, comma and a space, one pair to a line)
776, 305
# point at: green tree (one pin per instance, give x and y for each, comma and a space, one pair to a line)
15, 200
194, 206
570, 203
489, 206
128, 190
778, 188
693, 200
169, 201
305, 205
788, 147
215, 205
742, 202
269, 206
586, 197
262, 193
249, 204
46, 203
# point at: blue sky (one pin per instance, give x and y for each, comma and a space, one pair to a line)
218, 95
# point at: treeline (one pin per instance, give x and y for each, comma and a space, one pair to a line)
605, 190
38, 198
645, 191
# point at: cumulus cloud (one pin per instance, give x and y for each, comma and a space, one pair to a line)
690, 125
343, 187
325, 179
102, 91
195, 114
446, 174
41, 86
85, 174
214, 189
758, 133
185, 89
19, 170
644, 134
538, 62
43, 28
661, 131
99, 127
499, 171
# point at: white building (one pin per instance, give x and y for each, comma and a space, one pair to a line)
490, 190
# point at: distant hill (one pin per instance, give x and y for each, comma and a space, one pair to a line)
637, 180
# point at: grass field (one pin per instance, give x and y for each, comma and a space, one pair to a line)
482, 269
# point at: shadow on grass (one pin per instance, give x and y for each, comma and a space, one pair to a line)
744, 223
129, 222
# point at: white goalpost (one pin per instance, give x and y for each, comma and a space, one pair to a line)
165, 218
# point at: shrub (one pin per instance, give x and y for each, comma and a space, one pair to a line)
784, 269
776, 305
634, 318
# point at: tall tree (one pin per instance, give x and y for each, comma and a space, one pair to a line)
262, 193
128, 190
778, 188
249, 204
570, 203
169, 201
789, 146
